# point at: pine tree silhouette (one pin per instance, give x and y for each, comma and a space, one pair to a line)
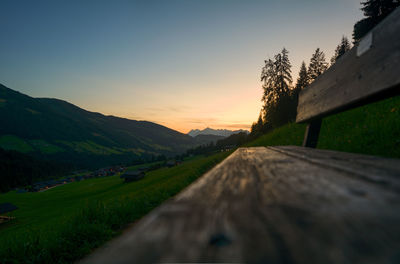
375, 11
317, 65
302, 80
278, 93
341, 49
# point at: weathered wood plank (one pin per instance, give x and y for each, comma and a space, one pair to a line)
356, 79
384, 172
264, 206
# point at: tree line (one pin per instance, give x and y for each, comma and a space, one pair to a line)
231, 142
280, 96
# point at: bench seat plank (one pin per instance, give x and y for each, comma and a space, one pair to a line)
370, 168
273, 205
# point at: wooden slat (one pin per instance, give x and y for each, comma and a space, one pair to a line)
266, 206
355, 80
385, 172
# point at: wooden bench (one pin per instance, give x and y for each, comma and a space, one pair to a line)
289, 204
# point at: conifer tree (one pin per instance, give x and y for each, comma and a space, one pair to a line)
374, 11
269, 79
277, 78
277, 98
292, 99
283, 72
341, 49
317, 65
302, 80
257, 127
378, 9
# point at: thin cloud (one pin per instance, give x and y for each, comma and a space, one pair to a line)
239, 126
171, 109
200, 120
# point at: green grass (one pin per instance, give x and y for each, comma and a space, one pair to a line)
33, 112
10, 142
372, 129
89, 147
290, 134
64, 224
135, 167
45, 147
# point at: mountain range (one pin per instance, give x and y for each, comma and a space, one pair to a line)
54, 129
216, 132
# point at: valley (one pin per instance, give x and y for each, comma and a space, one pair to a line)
56, 130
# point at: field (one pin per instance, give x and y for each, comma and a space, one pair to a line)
65, 223
11, 142
372, 129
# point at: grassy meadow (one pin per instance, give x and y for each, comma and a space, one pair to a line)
65, 223
373, 129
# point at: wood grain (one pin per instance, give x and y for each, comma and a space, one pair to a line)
356, 80
265, 205
384, 172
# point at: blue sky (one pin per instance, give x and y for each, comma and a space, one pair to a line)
184, 64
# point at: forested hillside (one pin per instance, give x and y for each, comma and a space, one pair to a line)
57, 130
18, 169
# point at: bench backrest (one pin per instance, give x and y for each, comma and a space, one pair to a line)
370, 71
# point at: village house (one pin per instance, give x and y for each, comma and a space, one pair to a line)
130, 176
44, 185
171, 163
6, 208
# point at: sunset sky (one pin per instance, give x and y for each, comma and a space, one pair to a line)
185, 64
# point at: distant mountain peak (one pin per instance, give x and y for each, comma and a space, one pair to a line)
215, 132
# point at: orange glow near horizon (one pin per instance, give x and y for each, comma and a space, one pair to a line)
193, 111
